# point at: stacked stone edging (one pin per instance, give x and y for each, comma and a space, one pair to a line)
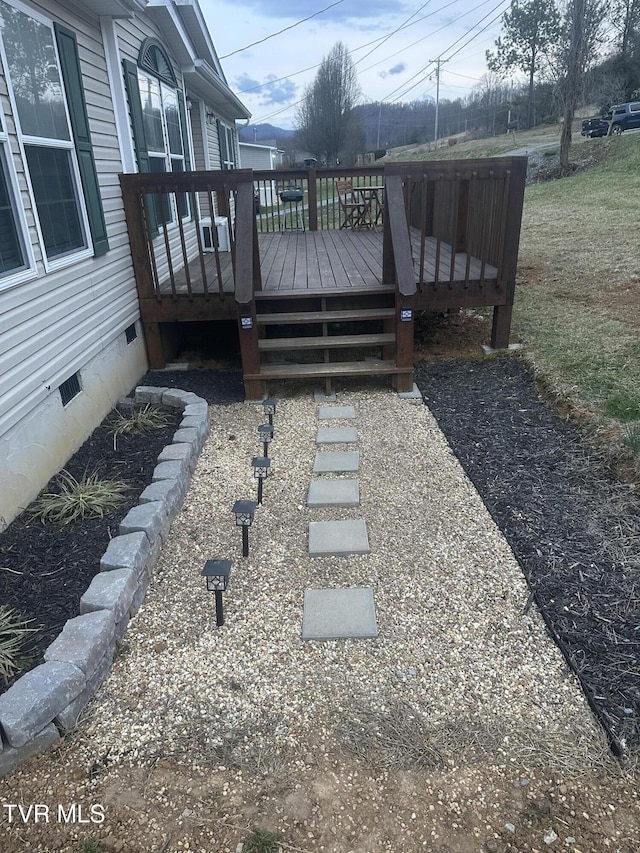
45, 702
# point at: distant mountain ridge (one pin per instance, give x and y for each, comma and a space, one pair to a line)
261, 132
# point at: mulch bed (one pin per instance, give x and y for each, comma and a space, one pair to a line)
573, 527
45, 568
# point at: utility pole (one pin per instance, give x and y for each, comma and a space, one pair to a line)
379, 119
439, 61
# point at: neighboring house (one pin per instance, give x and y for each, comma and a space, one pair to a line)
255, 156
87, 90
260, 158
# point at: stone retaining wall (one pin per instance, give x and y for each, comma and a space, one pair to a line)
44, 704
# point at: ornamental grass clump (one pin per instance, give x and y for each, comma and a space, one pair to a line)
137, 422
13, 638
90, 497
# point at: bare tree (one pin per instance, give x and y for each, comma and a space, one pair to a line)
529, 28
577, 51
324, 115
625, 17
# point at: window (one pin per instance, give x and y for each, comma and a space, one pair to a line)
164, 136
226, 139
15, 257
44, 79
159, 125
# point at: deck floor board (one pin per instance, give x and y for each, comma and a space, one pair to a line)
315, 261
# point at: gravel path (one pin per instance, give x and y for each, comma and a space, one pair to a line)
449, 595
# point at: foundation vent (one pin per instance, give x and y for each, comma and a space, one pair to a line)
131, 333
70, 388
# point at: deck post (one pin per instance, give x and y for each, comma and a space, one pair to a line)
501, 326
312, 188
515, 200
404, 341
153, 340
249, 352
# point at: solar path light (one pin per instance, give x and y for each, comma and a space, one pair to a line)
265, 431
269, 406
244, 512
216, 573
260, 471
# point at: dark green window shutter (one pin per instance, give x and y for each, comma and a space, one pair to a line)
185, 134
72, 76
139, 139
222, 142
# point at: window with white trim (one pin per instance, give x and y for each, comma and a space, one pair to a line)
227, 142
164, 135
15, 255
36, 88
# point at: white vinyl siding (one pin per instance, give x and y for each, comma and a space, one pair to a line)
53, 324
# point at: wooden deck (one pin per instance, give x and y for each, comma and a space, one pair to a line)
318, 261
435, 215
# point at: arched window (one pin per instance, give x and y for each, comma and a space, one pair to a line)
159, 122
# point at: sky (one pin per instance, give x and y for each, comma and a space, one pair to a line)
393, 43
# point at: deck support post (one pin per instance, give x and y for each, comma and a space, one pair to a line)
501, 326
153, 339
404, 341
249, 352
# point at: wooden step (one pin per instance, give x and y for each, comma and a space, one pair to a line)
326, 316
337, 368
326, 342
327, 293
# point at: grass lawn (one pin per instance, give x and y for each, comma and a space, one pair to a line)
578, 288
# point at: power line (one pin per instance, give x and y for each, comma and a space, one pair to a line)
387, 37
473, 37
290, 27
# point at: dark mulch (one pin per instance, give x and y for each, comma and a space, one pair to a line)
215, 386
574, 529
45, 568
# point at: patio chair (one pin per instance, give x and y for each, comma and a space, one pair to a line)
355, 212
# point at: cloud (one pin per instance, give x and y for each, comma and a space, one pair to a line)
270, 91
346, 10
396, 69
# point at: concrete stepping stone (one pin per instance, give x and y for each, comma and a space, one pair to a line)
334, 493
336, 461
337, 435
338, 538
336, 413
339, 614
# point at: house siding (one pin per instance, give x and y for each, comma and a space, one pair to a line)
70, 320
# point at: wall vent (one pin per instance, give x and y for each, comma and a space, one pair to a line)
131, 333
70, 388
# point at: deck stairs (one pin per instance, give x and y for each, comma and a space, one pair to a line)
332, 334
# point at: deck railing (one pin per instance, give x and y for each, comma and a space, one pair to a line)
456, 213
319, 208
473, 208
175, 246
